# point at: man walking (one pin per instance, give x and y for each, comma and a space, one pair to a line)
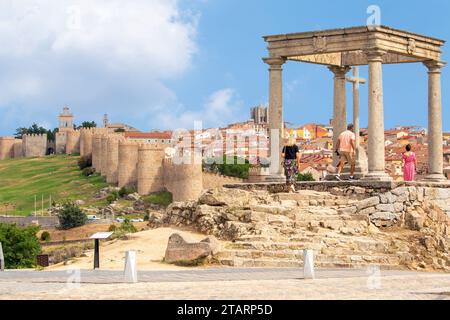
346, 149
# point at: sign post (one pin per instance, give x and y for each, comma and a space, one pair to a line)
97, 236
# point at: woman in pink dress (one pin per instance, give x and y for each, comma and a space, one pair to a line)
409, 164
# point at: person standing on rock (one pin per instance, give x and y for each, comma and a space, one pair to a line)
409, 164
346, 149
292, 156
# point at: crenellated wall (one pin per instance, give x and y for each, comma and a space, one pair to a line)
34, 145
150, 168
6, 147
128, 159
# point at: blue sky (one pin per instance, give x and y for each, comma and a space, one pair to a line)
159, 64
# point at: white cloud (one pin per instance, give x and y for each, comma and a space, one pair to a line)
96, 55
220, 108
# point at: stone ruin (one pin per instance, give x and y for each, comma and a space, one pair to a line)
389, 225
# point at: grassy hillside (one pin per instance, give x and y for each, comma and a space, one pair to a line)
56, 176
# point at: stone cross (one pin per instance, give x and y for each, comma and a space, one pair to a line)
2, 259
356, 81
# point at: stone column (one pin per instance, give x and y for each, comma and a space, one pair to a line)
276, 124
339, 105
435, 138
376, 143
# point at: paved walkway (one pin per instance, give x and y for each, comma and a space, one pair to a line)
225, 283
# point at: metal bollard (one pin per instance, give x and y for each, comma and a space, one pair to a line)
308, 264
130, 271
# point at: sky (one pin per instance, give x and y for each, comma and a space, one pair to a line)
163, 64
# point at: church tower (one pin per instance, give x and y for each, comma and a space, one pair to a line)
65, 120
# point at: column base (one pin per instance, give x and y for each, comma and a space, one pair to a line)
377, 176
436, 177
276, 178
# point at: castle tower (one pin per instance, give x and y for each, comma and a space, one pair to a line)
128, 158
34, 145
86, 135
184, 181
112, 159
104, 155
73, 142
96, 151
150, 171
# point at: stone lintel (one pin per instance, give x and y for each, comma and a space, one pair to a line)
333, 42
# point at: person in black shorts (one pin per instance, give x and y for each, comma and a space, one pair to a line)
291, 155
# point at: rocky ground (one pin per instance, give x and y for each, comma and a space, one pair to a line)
407, 227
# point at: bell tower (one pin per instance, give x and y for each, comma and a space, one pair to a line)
65, 120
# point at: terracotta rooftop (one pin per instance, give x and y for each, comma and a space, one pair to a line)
149, 135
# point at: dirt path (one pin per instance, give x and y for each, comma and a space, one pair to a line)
150, 247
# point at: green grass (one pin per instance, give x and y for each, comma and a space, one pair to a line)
161, 198
56, 176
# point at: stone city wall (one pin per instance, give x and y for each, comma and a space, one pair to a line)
104, 155
34, 145
45, 222
6, 147
96, 151
18, 149
213, 180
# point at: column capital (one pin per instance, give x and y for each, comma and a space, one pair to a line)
339, 72
434, 66
274, 62
374, 55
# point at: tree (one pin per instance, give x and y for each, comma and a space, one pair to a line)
88, 124
20, 245
34, 129
71, 216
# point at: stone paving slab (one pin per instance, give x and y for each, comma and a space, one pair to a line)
228, 284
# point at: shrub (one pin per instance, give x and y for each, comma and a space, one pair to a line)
89, 171
112, 228
20, 245
159, 198
128, 227
85, 162
113, 196
305, 177
231, 166
71, 216
146, 217
125, 228
45, 236
124, 191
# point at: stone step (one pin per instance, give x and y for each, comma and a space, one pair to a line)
338, 253
267, 263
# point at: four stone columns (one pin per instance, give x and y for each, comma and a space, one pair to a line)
435, 149
276, 124
339, 106
376, 118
